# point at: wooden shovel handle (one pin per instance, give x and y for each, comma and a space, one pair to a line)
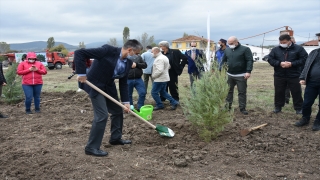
118, 103
258, 127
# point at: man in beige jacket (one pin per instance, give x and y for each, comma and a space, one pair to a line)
160, 76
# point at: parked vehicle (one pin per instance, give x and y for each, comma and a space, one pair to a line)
56, 60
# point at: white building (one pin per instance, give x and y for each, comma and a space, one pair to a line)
258, 52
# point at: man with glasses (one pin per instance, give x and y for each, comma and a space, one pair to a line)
240, 63
310, 76
195, 59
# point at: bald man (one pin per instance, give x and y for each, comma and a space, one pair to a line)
240, 63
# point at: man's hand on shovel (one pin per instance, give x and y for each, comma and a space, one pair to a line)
82, 79
127, 109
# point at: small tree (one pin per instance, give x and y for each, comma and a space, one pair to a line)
81, 45
113, 42
13, 90
204, 104
50, 43
126, 34
145, 40
185, 34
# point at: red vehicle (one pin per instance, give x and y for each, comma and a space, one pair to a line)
55, 60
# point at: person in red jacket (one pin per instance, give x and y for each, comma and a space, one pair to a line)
31, 71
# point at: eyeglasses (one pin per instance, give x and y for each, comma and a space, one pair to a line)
193, 46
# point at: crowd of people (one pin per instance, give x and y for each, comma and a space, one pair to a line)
162, 65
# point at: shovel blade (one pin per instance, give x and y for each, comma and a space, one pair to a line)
164, 131
244, 132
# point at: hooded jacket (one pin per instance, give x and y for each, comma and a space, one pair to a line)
31, 77
136, 73
295, 54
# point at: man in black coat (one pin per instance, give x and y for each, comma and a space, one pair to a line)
287, 59
177, 62
110, 63
3, 82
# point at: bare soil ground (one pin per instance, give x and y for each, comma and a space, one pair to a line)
50, 145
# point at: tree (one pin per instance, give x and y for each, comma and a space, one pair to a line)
50, 43
145, 40
4, 47
41, 58
59, 48
13, 90
113, 42
185, 34
81, 45
126, 34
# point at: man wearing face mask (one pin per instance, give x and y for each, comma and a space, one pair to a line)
287, 59
310, 77
240, 63
110, 63
222, 45
195, 65
177, 62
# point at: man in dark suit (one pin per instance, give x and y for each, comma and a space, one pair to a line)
195, 65
110, 63
177, 62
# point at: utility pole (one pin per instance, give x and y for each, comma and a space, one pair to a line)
262, 46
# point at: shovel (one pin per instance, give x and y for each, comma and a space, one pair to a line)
162, 130
245, 132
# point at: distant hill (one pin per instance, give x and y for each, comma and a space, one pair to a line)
38, 46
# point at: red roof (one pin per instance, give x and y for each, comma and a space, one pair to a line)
311, 43
191, 38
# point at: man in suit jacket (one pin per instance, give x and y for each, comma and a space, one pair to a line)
3, 82
110, 63
195, 65
177, 62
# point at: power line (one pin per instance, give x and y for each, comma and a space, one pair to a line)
263, 33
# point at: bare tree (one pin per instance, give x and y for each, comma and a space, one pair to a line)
145, 40
4, 47
81, 45
113, 42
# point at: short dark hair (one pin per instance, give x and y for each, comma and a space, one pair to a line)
134, 44
318, 34
24, 56
285, 37
149, 47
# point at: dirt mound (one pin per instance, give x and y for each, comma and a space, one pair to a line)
50, 145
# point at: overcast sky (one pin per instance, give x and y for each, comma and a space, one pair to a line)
72, 21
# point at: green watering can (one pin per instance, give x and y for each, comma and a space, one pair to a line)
145, 112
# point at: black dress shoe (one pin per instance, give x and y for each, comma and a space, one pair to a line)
316, 125
277, 110
120, 142
3, 116
302, 122
157, 108
244, 111
95, 152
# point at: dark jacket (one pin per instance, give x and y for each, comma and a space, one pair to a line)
102, 69
197, 64
177, 60
295, 54
312, 56
136, 73
2, 78
239, 59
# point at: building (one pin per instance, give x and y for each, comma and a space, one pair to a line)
183, 43
257, 52
310, 45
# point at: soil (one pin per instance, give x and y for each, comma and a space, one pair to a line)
50, 145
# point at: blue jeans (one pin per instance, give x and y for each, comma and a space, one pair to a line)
139, 85
311, 93
160, 87
30, 92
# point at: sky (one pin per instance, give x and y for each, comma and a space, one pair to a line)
89, 21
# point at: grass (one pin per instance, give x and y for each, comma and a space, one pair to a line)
260, 91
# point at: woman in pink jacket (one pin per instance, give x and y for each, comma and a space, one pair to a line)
31, 71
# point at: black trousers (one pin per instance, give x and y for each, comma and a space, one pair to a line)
280, 85
173, 85
101, 107
311, 93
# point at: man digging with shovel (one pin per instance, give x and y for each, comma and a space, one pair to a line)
110, 63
